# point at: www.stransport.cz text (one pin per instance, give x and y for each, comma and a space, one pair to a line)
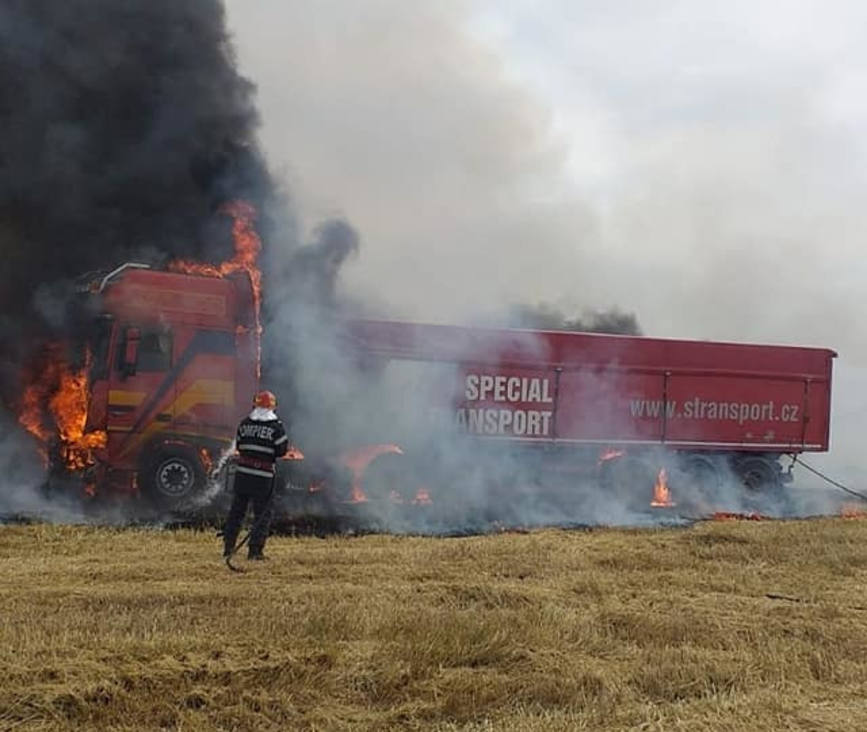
715, 411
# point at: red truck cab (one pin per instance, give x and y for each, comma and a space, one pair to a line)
173, 371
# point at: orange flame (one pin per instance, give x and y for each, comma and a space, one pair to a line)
64, 391
207, 460
357, 461
609, 454
32, 412
293, 453
853, 511
248, 246
661, 493
422, 497
734, 516
69, 408
356, 494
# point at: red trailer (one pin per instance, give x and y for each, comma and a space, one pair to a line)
713, 407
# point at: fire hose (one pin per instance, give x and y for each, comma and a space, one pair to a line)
827, 479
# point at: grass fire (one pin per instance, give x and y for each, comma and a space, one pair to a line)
661, 493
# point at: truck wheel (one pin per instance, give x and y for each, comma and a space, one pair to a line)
173, 477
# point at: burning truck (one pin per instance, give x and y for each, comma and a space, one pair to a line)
144, 395
138, 392
172, 357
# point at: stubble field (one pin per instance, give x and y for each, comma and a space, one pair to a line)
726, 625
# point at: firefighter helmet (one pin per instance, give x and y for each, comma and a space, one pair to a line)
265, 400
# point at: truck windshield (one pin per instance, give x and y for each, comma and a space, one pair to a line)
154, 351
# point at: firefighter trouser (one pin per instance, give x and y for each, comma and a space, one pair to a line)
255, 490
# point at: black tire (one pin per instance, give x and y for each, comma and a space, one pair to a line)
762, 486
758, 475
173, 478
629, 481
700, 481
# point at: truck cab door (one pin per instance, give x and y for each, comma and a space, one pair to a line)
141, 393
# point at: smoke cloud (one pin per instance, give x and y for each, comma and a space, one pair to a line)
126, 125
547, 317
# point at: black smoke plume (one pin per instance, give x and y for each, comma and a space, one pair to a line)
548, 317
125, 124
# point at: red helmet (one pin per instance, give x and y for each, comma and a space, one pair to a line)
265, 399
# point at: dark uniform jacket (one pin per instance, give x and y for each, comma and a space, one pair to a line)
259, 443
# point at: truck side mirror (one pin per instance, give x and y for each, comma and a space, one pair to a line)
132, 336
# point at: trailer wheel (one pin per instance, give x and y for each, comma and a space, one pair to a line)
389, 477
629, 481
762, 488
758, 474
703, 479
172, 477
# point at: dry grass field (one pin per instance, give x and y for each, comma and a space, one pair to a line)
606, 629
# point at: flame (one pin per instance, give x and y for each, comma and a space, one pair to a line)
248, 246
32, 411
356, 494
609, 454
58, 393
734, 516
69, 408
853, 511
661, 493
293, 453
207, 460
422, 497
358, 460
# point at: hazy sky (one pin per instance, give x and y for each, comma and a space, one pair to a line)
697, 162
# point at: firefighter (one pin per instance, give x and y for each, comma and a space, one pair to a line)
260, 440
